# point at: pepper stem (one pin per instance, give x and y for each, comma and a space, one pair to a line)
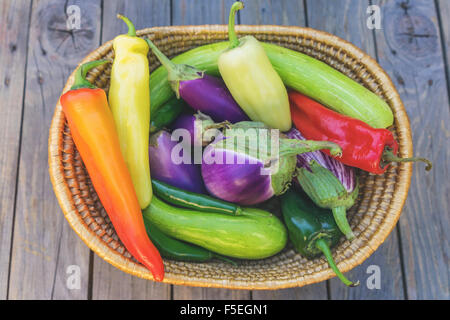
339, 214
234, 42
131, 28
388, 156
80, 75
323, 246
175, 72
295, 146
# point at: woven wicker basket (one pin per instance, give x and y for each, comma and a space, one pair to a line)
372, 218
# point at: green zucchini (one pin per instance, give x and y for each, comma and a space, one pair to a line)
254, 234
298, 71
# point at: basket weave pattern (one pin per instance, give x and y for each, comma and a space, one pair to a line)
372, 218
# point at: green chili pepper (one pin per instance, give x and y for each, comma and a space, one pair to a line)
312, 230
171, 248
191, 200
165, 115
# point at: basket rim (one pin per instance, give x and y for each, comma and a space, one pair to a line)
111, 256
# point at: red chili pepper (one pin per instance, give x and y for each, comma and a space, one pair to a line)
362, 146
94, 133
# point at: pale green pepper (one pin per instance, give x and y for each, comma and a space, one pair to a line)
252, 80
129, 98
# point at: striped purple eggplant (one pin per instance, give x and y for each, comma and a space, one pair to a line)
249, 166
202, 92
328, 182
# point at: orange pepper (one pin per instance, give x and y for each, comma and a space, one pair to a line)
94, 133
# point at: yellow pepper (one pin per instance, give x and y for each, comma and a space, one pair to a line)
129, 98
252, 80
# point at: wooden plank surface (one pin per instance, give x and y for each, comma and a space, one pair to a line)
13, 54
409, 49
107, 281
286, 13
347, 19
44, 245
443, 9
187, 12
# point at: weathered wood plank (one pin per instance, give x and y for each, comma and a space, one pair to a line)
143, 14
443, 7
13, 54
186, 12
288, 13
109, 282
281, 13
112, 283
44, 245
409, 49
347, 19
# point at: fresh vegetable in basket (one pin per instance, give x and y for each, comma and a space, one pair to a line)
250, 165
252, 80
312, 230
363, 147
184, 175
298, 71
94, 133
191, 200
202, 92
172, 248
167, 114
129, 98
253, 234
328, 182
196, 126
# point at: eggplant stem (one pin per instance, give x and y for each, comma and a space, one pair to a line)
166, 62
131, 28
234, 42
388, 156
294, 147
323, 246
339, 214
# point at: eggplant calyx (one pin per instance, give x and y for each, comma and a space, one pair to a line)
175, 72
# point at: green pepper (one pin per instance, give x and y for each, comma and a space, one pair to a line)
191, 200
171, 248
312, 230
167, 113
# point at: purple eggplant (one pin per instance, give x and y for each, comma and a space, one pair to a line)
345, 174
185, 175
252, 163
202, 92
328, 182
196, 125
